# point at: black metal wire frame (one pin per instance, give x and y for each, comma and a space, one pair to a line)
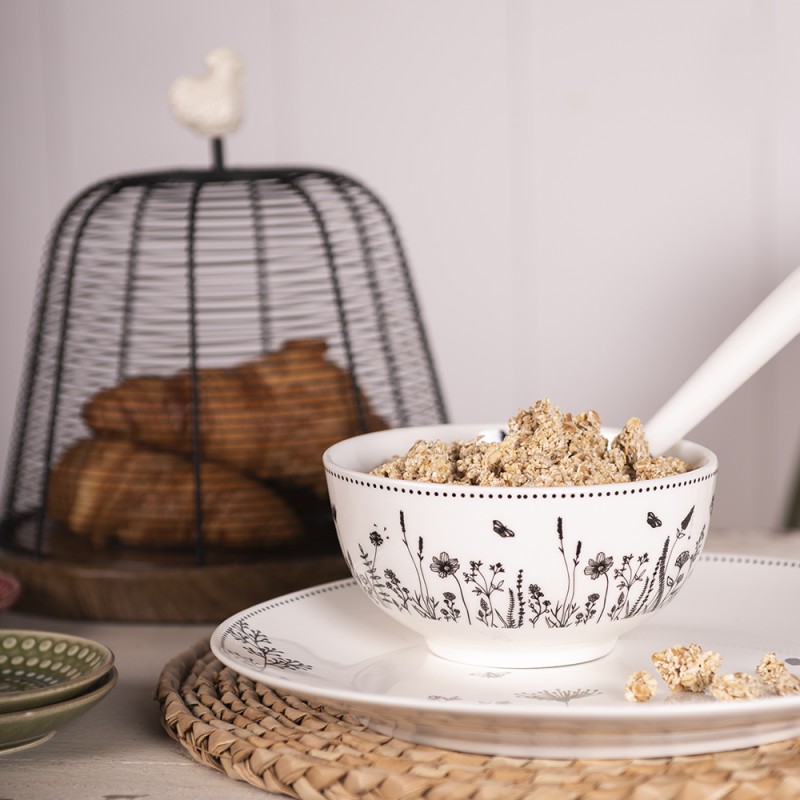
328, 262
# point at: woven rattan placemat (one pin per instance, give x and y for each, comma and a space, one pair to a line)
282, 744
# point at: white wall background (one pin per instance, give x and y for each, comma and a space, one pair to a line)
592, 194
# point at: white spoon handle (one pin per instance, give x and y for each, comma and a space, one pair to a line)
769, 328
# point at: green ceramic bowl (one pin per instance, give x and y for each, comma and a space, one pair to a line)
38, 668
22, 729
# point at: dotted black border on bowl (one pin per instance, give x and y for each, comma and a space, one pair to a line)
490, 493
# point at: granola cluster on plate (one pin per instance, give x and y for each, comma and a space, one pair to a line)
543, 447
687, 669
691, 669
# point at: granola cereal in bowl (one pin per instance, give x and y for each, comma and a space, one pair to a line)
537, 550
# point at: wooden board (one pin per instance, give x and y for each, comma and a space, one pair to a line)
160, 593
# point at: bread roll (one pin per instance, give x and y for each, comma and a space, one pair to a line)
272, 417
109, 489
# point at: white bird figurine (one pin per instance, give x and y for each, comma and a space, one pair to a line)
212, 104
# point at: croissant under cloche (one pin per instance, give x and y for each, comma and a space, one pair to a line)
272, 417
113, 490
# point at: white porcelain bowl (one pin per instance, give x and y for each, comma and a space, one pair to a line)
516, 577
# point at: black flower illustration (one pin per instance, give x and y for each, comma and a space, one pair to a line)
598, 566
444, 566
376, 538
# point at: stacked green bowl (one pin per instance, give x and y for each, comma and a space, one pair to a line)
46, 680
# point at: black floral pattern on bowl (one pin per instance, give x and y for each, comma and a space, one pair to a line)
623, 585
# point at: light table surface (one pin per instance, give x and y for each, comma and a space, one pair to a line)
119, 751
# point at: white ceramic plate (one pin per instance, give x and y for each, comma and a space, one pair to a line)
329, 644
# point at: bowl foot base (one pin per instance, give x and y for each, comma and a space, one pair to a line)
510, 656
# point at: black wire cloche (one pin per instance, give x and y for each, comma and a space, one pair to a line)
199, 338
